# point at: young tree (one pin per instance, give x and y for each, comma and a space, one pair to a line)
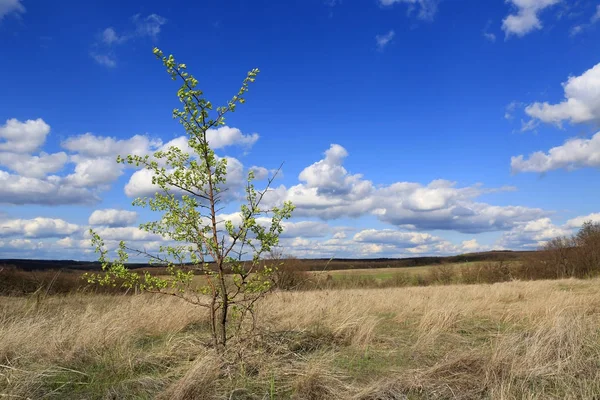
190, 189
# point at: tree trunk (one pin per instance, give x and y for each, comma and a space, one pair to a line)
224, 309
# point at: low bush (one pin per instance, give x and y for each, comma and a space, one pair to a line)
16, 282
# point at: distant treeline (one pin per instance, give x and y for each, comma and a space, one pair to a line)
317, 264
346, 263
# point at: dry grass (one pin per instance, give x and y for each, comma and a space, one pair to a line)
516, 340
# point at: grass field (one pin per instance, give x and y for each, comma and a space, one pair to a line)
516, 340
363, 276
387, 273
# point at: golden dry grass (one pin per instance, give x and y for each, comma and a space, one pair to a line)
517, 340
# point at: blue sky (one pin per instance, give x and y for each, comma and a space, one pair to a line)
407, 127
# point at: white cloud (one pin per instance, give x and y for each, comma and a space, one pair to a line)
581, 104
530, 125
306, 229
395, 238
487, 34
510, 109
34, 166
69, 242
93, 172
19, 190
259, 172
126, 233
91, 145
8, 7
577, 29
112, 217
95, 161
378, 243
23, 137
143, 27
37, 227
329, 191
140, 182
459, 214
471, 246
526, 19
575, 153
532, 234
383, 40
426, 8
109, 36
596, 17
25, 244
329, 176
577, 222
105, 59
149, 25
226, 136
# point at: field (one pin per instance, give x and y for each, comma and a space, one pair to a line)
515, 340
387, 273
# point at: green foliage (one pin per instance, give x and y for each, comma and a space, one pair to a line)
190, 189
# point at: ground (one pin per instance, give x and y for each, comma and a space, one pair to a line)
502, 341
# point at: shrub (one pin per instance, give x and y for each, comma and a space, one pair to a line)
442, 274
577, 256
288, 272
488, 272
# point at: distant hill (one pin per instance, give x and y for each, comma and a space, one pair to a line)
310, 264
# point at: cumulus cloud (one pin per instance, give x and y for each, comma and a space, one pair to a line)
8, 7
395, 238
525, 19
112, 217
25, 244
226, 136
37, 227
34, 166
140, 183
92, 172
95, 161
459, 214
383, 40
573, 154
329, 191
23, 137
328, 176
532, 234
378, 243
34, 180
19, 190
95, 158
536, 233
426, 9
581, 104
577, 222
91, 145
